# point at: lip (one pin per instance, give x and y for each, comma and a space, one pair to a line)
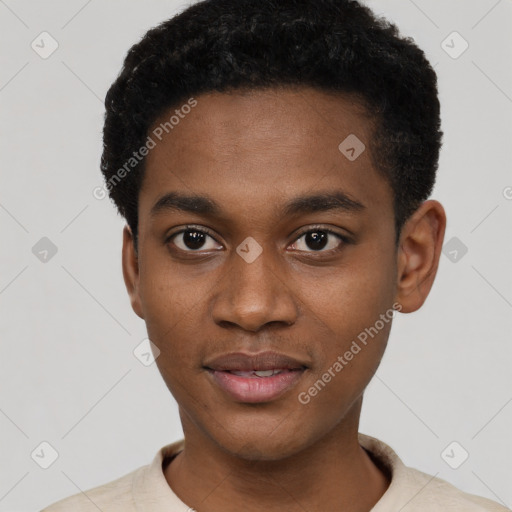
254, 389
244, 362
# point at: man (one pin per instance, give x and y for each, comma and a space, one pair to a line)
273, 162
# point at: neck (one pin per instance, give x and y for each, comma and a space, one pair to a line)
335, 473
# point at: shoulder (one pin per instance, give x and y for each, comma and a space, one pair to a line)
415, 491
114, 496
129, 493
434, 493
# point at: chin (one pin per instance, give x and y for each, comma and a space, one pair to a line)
267, 444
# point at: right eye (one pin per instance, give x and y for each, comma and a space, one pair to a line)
193, 239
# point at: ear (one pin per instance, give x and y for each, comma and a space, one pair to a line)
131, 271
418, 254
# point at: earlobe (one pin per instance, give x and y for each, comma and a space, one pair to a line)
418, 256
131, 271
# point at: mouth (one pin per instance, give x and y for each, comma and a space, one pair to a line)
255, 378
261, 373
256, 386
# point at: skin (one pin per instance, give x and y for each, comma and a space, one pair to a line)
251, 152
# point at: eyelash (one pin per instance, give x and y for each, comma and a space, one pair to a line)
312, 229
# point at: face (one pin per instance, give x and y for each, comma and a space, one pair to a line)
270, 240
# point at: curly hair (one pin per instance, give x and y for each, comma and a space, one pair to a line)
331, 45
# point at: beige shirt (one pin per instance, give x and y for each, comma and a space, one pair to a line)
147, 490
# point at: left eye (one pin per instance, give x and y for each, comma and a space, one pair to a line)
317, 240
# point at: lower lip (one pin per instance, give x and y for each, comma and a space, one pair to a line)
255, 389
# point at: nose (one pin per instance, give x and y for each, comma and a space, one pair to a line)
253, 295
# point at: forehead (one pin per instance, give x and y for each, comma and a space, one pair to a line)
261, 145
281, 116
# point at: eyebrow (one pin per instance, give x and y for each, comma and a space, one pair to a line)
202, 205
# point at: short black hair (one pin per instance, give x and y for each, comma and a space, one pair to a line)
331, 45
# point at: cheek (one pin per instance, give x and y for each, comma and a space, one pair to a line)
347, 299
352, 313
344, 368
166, 293
170, 308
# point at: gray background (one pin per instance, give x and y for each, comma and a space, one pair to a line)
67, 369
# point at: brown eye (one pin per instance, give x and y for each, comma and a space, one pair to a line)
192, 240
316, 240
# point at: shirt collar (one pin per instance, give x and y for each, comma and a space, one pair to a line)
152, 493
150, 490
